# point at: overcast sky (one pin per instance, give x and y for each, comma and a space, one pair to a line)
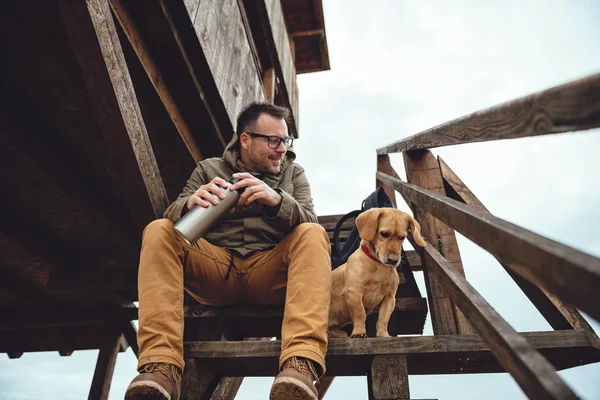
397, 68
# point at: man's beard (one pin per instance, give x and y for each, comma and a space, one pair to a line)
263, 165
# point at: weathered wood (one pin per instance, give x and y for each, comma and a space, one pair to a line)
534, 374
197, 382
283, 60
221, 34
423, 170
558, 314
439, 354
269, 83
130, 334
568, 273
45, 317
100, 57
104, 369
154, 75
227, 388
187, 41
569, 107
384, 165
323, 386
388, 378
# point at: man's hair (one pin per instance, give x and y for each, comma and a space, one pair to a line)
248, 117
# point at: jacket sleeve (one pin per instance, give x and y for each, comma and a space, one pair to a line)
297, 208
175, 211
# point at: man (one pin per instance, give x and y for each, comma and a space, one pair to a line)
268, 250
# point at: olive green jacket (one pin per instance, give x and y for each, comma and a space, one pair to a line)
252, 227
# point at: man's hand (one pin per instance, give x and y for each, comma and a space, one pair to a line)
202, 197
256, 190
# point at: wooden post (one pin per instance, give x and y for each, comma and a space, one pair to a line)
104, 368
558, 314
388, 378
383, 165
270, 84
422, 169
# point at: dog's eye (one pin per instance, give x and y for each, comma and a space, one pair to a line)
384, 234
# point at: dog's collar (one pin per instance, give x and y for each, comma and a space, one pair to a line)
365, 250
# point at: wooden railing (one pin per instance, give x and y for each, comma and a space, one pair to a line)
557, 279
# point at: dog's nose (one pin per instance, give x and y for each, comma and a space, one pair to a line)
392, 258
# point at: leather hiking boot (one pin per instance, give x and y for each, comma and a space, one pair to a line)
295, 381
156, 381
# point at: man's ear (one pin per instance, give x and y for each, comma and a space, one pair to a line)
244, 141
367, 223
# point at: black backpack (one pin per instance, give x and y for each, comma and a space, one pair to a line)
377, 199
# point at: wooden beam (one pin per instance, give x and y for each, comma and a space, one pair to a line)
154, 75
388, 378
130, 334
384, 165
104, 369
104, 71
323, 386
197, 382
313, 32
534, 374
227, 388
426, 355
570, 274
569, 107
49, 317
423, 170
14, 354
558, 314
270, 84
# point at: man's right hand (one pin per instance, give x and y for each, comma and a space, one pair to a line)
203, 196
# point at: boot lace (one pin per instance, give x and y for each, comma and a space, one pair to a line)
302, 365
169, 370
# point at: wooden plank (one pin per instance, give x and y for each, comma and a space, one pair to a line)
269, 83
388, 378
104, 369
534, 374
197, 382
130, 334
423, 170
100, 57
221, 34
227, 388
426, 355
154, 75
569, 107
568, 273
558, 314
283, 62
384, 165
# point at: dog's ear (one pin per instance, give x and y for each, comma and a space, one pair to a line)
367, 223
415, 228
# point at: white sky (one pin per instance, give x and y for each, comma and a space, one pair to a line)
397, 68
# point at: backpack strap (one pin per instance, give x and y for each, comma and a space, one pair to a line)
338, 227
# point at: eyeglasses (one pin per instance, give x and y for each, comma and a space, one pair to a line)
274, 141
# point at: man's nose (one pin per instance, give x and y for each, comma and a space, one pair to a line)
281, 148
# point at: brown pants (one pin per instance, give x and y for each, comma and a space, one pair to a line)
296, 272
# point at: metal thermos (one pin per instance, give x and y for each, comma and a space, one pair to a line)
199, 219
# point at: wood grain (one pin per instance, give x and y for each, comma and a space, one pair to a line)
439, 354
388, 378
534, 374
423, 170
568, 273
558, 314
569, 107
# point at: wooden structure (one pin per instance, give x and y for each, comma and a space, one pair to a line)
106, 107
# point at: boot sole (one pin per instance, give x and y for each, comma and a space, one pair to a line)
146, 390
287, 388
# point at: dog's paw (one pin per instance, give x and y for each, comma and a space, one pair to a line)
382, 334
359, 335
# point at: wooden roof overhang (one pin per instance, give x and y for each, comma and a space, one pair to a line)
306, 25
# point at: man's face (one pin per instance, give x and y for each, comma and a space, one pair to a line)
256, 153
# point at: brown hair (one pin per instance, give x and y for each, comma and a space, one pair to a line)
249, 115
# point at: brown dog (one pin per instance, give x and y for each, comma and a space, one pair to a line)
369, 278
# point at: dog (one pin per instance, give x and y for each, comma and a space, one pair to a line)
369, 278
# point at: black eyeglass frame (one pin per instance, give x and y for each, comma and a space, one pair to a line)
287, 141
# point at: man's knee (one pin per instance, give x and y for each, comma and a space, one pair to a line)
311, 233
159, 228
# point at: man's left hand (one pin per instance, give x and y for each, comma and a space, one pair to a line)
256, 190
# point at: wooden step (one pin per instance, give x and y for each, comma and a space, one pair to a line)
440, 354
205, 322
